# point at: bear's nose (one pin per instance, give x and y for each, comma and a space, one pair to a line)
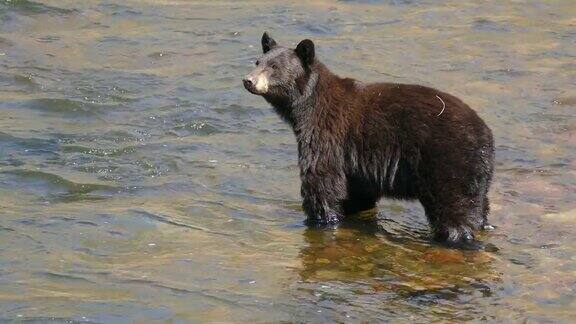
248, 82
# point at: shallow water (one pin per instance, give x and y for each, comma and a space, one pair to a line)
140, 181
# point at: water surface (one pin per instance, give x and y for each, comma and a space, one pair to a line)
139, 181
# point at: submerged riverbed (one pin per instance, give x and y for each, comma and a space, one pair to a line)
140, 181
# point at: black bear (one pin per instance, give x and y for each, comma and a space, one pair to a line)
359, 142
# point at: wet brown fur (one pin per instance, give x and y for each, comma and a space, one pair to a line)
359, 142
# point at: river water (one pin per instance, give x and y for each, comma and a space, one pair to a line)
139, 181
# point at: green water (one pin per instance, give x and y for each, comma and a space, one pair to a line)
140, 182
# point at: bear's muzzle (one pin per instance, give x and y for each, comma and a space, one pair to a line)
256, 84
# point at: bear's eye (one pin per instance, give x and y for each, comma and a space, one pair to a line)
274, 66
257, 63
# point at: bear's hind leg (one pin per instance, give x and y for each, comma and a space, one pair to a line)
454, 220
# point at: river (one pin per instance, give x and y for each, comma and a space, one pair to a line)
139, 181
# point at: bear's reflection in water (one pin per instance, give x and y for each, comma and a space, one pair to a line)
389, 258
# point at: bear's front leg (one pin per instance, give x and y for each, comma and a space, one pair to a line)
323, 196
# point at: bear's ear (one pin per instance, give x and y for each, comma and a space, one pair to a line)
305, 51
267, 43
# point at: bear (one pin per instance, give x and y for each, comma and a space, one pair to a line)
358, 142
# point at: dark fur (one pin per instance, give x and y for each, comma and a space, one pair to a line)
359, 142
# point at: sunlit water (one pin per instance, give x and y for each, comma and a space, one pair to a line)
140, 181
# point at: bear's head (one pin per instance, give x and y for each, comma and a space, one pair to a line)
281, 73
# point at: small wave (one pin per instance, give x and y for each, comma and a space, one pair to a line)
198, 128
388, 2
26, 7
29, 145
487, 25
61, 276
55, 187
170, 221
65, 107
101, 152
